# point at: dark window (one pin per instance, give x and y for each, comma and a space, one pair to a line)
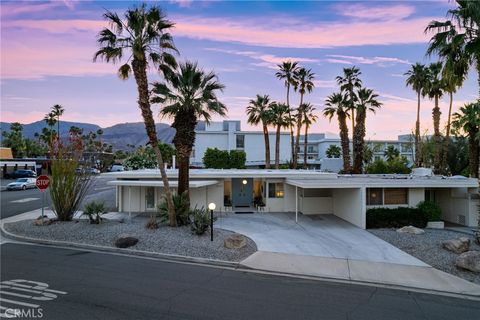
240, 141
374, 197
275, 190
396, 196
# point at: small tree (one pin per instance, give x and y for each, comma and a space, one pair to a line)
334, 151
145, 158
237, 159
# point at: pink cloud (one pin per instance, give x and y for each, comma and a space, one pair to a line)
392, 12
380, 61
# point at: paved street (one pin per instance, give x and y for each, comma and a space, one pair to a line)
90, 285
16, 202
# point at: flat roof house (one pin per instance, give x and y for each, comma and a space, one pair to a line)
302, 192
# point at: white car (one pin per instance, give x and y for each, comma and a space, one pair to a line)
22, 184
117, 168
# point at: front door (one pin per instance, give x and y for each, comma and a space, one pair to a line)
242, 192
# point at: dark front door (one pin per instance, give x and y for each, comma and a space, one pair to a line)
242, 192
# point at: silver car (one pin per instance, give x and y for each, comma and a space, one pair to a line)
22, 184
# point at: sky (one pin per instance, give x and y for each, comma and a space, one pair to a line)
47, 49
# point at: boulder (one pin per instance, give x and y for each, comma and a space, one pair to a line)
411, 230
125, 241
235, 241
42, 221
469, 260
457, 245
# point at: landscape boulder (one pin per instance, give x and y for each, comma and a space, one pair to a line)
457, 245
411, 230
235, 241
42, 221
125, 241
469, 260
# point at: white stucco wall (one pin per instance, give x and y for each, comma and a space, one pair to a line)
349, 204
457, 205
415, 196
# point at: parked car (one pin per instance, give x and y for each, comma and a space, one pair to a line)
22, 174
94, 171
117, 168
22, 184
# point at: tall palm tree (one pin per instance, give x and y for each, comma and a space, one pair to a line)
367, 101
417, 78
259, 111
286, 72
468, 121
337, 105
309, 117
187, 96
303, 84
461, 31
51, 120
142, 36
57, 111
435, 89
280, 115
349, 83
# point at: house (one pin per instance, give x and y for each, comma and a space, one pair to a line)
305, 192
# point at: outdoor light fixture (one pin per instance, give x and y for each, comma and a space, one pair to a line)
212, 207
244, 181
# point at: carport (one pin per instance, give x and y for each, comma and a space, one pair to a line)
344, 200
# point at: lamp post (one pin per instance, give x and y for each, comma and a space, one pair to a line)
211, 206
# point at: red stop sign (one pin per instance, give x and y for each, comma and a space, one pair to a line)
42, 183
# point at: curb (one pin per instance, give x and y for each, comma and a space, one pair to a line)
224, 264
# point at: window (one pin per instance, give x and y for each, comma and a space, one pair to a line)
396, 196
374, 196
150, 198
240, 141
275, 190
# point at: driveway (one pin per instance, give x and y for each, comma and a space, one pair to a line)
321, 236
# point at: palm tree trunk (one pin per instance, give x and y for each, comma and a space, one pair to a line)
292, 137
297, 137
358, 142
342, 121
447, 136
474, 153
305, 144
267, 146
418, 152
277, 148
140, 72
436, 136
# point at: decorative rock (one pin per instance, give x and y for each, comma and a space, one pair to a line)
411, 230
125, 241
42, 222
469, 260
457, 245
235, 241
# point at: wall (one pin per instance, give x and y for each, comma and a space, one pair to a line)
137, 200
316, 205
278, 204
349, 204
215, 195
255, 147
204, 140
415, 196
456, 204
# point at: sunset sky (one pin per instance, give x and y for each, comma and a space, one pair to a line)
47, 49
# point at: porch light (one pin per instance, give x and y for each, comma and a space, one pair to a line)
211, 206
244, 181
279, 194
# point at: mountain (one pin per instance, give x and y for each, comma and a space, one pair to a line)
119, 135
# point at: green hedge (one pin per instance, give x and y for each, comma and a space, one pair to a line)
397, 217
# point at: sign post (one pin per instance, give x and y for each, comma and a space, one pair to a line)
42, 184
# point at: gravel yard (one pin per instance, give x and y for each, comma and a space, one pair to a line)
178, 241
428, 248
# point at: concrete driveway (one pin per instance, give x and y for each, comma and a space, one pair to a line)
321, 236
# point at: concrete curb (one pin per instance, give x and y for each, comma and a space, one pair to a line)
222, 264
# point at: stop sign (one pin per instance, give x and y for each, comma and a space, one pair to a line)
42, 183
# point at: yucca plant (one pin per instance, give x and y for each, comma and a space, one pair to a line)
93, 210
182, 209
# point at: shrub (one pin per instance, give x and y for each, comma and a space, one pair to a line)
182, 209
237, 159
334, 151
394, 165
431, 209
221, 159
396, 217
93, 210
201, 221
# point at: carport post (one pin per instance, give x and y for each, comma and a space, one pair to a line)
129, 203
296, 204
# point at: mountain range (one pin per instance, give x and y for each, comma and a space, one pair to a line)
120, 136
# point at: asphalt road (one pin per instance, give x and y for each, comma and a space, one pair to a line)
16, 202
105, 286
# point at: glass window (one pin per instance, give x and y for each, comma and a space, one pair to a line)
374, 196
240, 141
150, 198
396, 196
275, 190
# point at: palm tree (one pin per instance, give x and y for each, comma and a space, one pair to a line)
367, 101
468, 121
336, 104
417, 79
280, 115
348, 84
51, 121
303, 84
259, 111
309, 118
287, 73
143, 36
187, 96
435, 89
461, 32
57, 111
391, 153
